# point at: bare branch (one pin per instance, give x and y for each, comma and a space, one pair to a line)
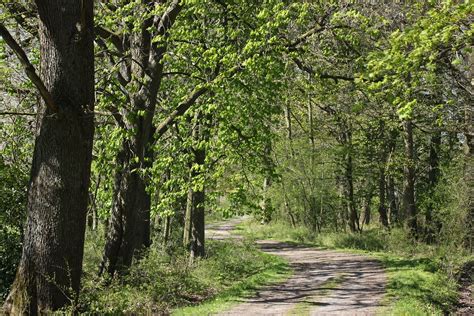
18, 113
311, 71
29, 68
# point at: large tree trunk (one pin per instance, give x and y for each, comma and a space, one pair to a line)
48, 276
409, 206
129, 211
129, 224
130, 196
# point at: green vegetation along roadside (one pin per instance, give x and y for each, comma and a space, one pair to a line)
421, 278
164, 283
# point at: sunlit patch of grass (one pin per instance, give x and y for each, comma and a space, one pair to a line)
416, 286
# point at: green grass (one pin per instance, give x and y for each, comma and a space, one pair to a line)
420, 277
276, 271
417, 286
160, 283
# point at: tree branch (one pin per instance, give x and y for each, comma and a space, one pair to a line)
17, 113
311, 71
115, 39
180, 110
317, 29
186, 74
184, 106
29, 68
21, 14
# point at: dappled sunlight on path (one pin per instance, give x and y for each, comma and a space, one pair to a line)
324, 282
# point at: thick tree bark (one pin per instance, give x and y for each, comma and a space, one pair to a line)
48, 277
130, 222
409, 206
143, 231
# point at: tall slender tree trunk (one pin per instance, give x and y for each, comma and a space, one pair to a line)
266, 203
92, 217
367, 210
167, 229
289, 129
349, 184
391, 193
187, 231
382, 190
433, 225
392, 201
409, 206
469, 169
353, 216
289, 135
190, 199
130, 197
48, 276
382, 182
198, 221
198, 195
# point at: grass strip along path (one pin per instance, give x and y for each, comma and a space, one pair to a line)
322, 282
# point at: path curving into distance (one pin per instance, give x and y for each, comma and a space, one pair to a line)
324, 282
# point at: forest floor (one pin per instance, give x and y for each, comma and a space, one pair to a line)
323, 281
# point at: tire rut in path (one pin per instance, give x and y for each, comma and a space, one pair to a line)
324, 282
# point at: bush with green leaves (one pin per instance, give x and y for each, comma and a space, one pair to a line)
12, 215
160, 282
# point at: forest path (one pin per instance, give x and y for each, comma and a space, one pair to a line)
324, 282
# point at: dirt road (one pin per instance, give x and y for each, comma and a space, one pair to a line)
324, 282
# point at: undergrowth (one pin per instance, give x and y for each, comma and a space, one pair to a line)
160, 282
421, 277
